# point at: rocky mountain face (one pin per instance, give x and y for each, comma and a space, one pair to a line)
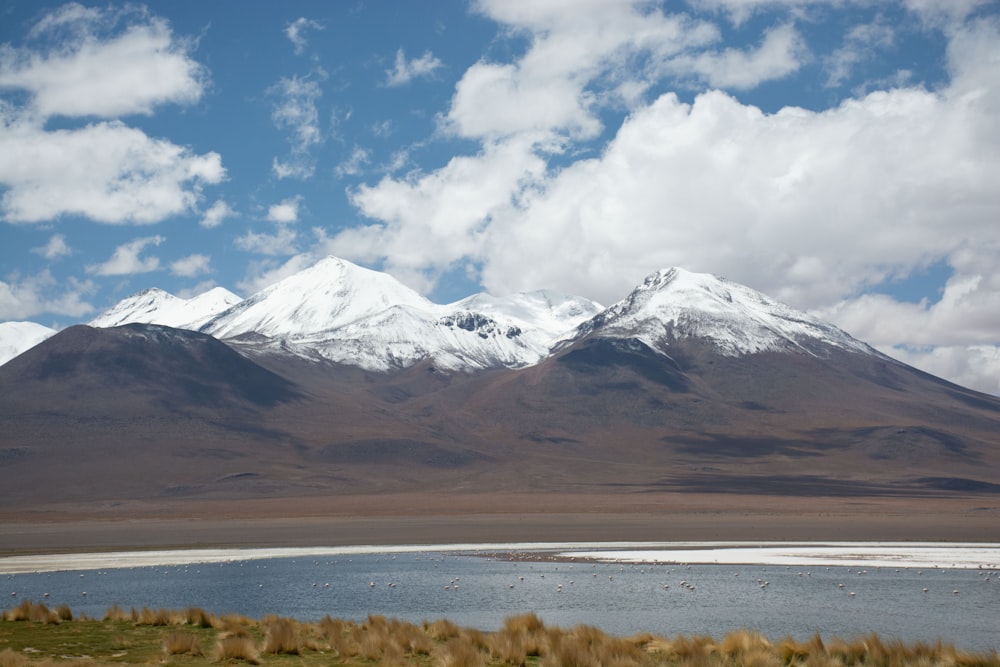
340, 380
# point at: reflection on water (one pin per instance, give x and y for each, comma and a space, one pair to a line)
959, 606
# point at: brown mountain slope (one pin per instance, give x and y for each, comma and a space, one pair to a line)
147, 412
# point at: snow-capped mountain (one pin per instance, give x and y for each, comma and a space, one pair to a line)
341, 312
349, 314
155, 306
16, 337
675, 304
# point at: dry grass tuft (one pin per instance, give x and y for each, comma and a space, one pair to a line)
441, 630
198, 617
34, 612
159, 617
457, 653
178, 642
118, 615
282, 636
9, 658
239, 646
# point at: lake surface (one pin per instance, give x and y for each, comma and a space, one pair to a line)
960, 606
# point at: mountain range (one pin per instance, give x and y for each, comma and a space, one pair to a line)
341, 380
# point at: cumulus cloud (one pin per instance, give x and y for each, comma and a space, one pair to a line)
406, 71
811, 206
84, 65
192, 265
82, 68
570, 47
284, 212
55, 248
216, 214
24, 297
106, 171
283, 240
127, 259
780, 53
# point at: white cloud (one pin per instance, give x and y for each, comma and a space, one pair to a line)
216, 214
283, 240
974, 366
354, 164
105, 171
860, 44
297, 112
937, 12
780, 53
571, 45
295, 31
285, 212
431, 220
406, 71
263, 273
813, 207
192, 265
55, 248
26, 297
127, 260
94, 73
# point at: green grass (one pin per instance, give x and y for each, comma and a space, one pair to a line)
31, 635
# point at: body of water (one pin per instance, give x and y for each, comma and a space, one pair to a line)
957, 605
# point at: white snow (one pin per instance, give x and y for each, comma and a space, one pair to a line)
155, 306
675, 304
341, 312
18, 337
352, 315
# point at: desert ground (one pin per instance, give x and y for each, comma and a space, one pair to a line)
451, 518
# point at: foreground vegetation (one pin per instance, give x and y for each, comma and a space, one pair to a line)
32, 634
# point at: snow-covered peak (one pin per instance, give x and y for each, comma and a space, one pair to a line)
675, 304
18, 337
331, 293
155, 306
552, 313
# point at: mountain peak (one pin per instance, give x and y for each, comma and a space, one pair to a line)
331, 293
675, 304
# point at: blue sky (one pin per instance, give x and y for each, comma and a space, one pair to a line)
840, 155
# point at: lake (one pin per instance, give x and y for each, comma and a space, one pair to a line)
960, 605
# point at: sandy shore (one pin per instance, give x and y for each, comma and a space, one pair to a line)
423, 519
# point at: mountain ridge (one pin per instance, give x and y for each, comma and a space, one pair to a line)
348, 314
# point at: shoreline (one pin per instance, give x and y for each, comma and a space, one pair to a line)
855, 554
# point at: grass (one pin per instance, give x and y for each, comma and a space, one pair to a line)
32, 635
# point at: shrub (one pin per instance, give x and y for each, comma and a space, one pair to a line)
178, 642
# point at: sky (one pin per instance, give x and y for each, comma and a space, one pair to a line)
842, 156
